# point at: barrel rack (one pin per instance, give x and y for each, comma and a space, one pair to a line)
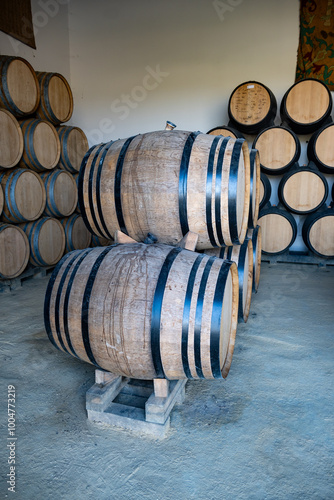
289, 257
9, 284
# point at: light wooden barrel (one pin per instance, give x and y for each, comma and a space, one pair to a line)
226, 131
98, 241
76, 233
47, 241
318, 232
279, 230
24, 195
145, 311
41, 145
1, 199
11, 140
255, 184
320, 149
61, 193
279, 149
19, 89
306, 106
14, 251
303, 189
252, 107
242, 255
265, 190
168, 183
74, 145
256, 237
56, 104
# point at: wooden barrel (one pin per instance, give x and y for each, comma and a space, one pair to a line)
24, 195
1, 199
76, 233
252, 107
306, 106
320, 149
318, 232
61, 193
168, 183
76, 178
14, 251
279, 229
265, 190
56, 104
98, 241
303, 189
11, 140
46, 239
19, 89
74, 145
226, 131
145, 311
242, 255
256, 237
279, 149
254, 187
41, 145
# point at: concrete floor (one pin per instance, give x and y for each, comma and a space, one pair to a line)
266, 432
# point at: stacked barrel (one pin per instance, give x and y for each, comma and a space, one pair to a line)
38, 156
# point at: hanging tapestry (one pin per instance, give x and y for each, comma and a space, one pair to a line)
16, 20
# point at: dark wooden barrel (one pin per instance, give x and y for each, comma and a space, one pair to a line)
61, 193
56, 104
265, 190
145, 311
255, 184
168, 183
279, 229
24, 195
46, 239
252, 107
41, 145
14, 251
76, 233
19, 89
303, 189
279, 149
256, 237
306, 106
11, 140
226, 131
320, 149
98, 241
318, 232
74, 145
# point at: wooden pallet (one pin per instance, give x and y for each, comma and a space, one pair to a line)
297, 258
7, 285
142, 406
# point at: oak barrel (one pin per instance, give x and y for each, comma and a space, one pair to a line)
56, 104
61, 193
256, 237
265, 190
303, 189
306, 106
279, 229
1, 199
279, 149
19, 89
168, 183
318, 232
252, 106
11, 140
41, 145
320, 149
24, 195
76, 233
226, 131
74, 145
145, 311
14, 251
255, 173
46, 239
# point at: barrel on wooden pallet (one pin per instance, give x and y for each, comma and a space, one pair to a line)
1, 199
226, 131
41, 145
14, 251
265, 190
168, 183
252, 107
98, 241
61, 193
11, 140
74, 145
47, 241
56, 104
254, 187
279, 229
24, 195
256, 237
303, 189
279, 149
320, 149
242, 255
145, 311
306, 106
76, 233
19, 89
318, 232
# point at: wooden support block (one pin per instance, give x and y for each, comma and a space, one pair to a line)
104, 378
157, 409
98, 398
161, 387
189, 241
123, 238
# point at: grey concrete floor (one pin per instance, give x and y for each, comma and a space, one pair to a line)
266, 432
